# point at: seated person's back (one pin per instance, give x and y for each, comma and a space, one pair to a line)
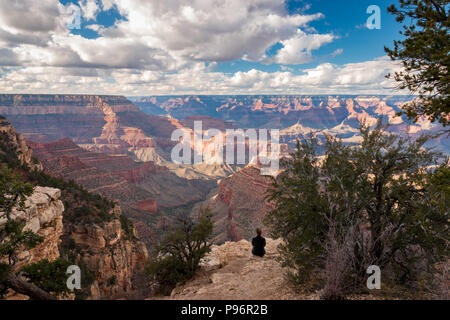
258, 244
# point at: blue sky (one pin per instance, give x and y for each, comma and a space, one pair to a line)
153, 47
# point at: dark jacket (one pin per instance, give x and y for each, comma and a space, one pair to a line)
258, 244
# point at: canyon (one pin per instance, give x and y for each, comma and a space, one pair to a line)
108, 145
297, 116
121, 147
146, 191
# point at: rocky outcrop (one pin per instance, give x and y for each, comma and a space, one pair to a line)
43, 216
239, 206
15, 142
113, 256
148, 205
231, 272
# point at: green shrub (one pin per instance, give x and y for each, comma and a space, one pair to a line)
127, 226
177, 257
384, 184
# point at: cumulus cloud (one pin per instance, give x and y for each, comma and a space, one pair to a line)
90, 9
163, 47
29, 15
200, 30
337, 52
29, 22
352, 78
297, 50
211, 30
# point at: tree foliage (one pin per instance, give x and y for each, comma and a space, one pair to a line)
424, 53
13, 191
49, 276
177, 257
381, 191
41, 277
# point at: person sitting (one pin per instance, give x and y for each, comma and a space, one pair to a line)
258, 244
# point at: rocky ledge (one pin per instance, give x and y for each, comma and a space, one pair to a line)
231, 272
114, 257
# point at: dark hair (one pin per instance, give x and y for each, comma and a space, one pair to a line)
258, 231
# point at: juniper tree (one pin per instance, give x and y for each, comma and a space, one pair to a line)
176, 258
424, 54
382, 190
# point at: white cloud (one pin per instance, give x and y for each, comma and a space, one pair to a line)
211, 30
353, 78
157, 34
29, 16
163, 47
89, 8
337, 52
297, 50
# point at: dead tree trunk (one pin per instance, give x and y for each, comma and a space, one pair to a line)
26, 288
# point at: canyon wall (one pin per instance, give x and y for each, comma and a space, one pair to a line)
109, 249
146, 191
43, 216
82, 118
17, 143
114, 257
239, 206
299, 115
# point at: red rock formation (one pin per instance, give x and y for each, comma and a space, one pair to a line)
109, 254
140, 173
89, 119
239, 205
207, 123
149, 205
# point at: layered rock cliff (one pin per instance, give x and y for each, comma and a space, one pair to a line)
87, 119
114, 257
43, 216
337, 115
15, 143
76, 225
231, 272
142, 189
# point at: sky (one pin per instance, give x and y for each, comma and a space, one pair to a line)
172, 47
